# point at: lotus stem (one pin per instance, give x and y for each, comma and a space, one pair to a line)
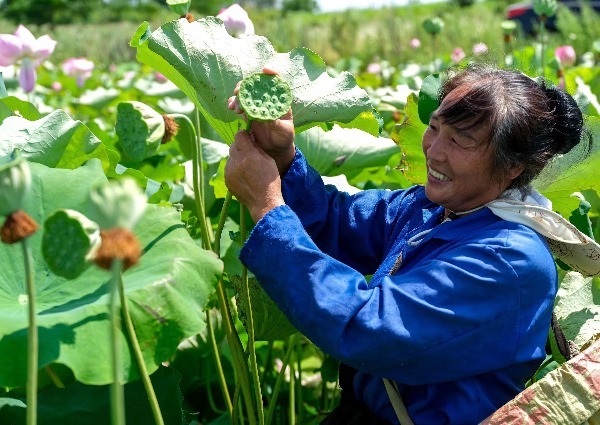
197, 176
117, 396
237, 352
280, 378
137, 351
250, 327
32, 336
221, 374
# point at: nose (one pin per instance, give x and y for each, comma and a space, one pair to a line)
433, 147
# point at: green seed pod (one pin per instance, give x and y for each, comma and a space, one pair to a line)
180, 7
140, 130
70, 242
117, 203
508, 27
15, 182
265, 97
433, 25
545, 8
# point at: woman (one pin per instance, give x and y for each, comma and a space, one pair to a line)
458, 307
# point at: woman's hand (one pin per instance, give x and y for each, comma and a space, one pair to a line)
252, 176
275, 138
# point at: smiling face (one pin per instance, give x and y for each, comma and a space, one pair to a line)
459, 162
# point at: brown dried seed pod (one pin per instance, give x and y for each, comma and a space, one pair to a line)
17, 226
118, 244
171, 129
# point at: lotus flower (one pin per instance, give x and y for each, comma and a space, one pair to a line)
415, 43
480, 49
374, 68
23, 47
566, 55
80, 68
236, 21
457, 55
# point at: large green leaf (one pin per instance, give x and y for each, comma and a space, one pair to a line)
408, 135
55, 140
206, 63
79, 404
575, 171
11, 105
166, 291
342, 150
577, 308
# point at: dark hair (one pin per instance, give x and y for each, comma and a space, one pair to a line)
530, 121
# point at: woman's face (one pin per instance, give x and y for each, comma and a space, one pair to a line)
459, 164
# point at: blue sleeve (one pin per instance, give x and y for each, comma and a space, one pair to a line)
469, 307
337, 221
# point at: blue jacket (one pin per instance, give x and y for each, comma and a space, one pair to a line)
458, 316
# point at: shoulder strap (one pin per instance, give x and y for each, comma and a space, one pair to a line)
397, 402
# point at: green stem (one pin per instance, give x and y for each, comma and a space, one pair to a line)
220, 374
137, 351
197, 177
280, 378
543, 44
54, 377
32, 336
237, 352
299, 385
250, 327
221, 224
292, 397
117, 402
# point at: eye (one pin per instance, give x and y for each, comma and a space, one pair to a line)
432, 127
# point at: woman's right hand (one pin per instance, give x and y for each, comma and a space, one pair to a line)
275, 138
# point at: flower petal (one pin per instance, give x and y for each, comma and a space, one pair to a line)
27, 38
11, 49
43, 47
27, 76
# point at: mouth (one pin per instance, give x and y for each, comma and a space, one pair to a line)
437, 175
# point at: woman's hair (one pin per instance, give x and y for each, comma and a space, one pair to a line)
529, 122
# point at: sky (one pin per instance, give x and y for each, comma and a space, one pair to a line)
339, 5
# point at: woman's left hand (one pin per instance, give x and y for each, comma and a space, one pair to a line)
252, 177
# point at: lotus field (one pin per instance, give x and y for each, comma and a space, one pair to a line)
122, 299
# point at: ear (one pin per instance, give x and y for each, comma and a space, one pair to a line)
515, 171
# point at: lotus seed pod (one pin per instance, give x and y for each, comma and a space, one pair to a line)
545, 8
15, 182
117, 203
433, 25
265, 97
140, 130
508, 27
180, 7
70, 242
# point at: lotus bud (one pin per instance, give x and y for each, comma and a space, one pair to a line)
544, 8
434, 25
566, 55
117, 203
70, 242
15, 183
140, 130
180, 7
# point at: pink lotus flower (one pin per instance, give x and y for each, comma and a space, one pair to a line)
480, 49
80, 68
23, 47
566, 55
415, 43
56, 86
160, 78
374, 68
236, 21
457, 55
